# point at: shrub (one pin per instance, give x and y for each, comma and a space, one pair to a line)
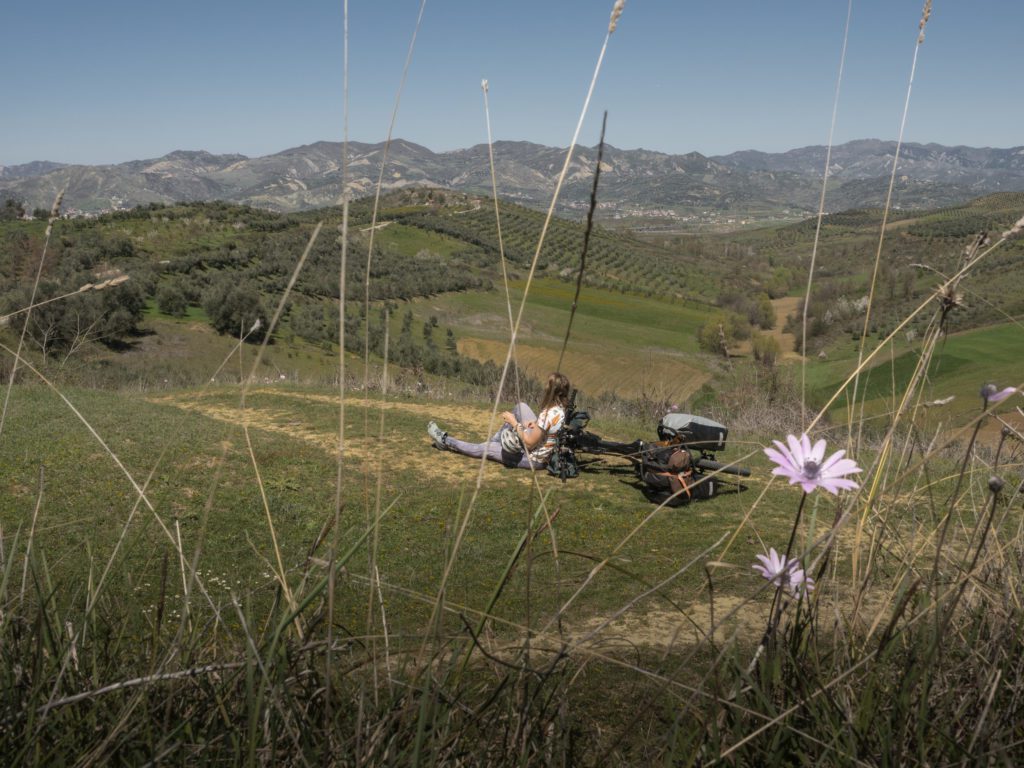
763, 313
766, 349
170, 300
11, 209
728, 325
234, 308
66, 326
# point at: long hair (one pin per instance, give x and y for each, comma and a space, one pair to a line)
557, 392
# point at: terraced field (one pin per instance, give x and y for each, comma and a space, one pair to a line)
626, 344
655, 373
962, 363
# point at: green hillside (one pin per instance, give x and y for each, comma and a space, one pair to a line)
225, 266
195, 570
918, 249
436, 275
962, 363
194, 444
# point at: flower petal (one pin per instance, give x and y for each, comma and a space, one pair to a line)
836, 484
809, 485
796, 449
818, 452
792, 477
832, 459
778, 457
805, 445
842, 467
1001, 395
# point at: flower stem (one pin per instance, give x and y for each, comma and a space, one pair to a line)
788, 565
956, 493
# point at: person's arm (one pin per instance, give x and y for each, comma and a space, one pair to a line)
531, 434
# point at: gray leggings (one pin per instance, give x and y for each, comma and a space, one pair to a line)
492, 448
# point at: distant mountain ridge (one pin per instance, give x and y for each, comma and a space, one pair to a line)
634, 183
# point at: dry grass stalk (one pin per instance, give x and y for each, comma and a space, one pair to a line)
342, 270
380, 186
467, 516
616, 13
821, 216
485, 87
285, 587
54, 213
885, 212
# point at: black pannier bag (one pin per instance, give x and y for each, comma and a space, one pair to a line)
669, 477
695, 431
562, 462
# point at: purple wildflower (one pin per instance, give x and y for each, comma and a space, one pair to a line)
990, 394
784, 573
807, 465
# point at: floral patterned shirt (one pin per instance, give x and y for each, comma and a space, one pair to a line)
550, 420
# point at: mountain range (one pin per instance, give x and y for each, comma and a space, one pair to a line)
635, 183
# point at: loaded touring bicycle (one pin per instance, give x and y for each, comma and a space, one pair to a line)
677, 468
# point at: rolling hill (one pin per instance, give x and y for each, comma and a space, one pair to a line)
639, 186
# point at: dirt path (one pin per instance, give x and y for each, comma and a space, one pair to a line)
476, 207
785, 307
464, 418
377, 226
413, 452
667, 629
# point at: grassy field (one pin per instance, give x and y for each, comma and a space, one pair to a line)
448, 612
203, 484
626, 344
642, 605
962, 363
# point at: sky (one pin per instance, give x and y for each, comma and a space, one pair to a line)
111, 81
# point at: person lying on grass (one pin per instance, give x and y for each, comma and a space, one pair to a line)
525, 440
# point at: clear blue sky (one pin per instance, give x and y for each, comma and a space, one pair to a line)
113, 80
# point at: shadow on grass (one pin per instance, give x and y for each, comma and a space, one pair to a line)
130, 341
628, 476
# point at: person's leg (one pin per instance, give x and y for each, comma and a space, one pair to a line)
524, 413
492, 448
526, 463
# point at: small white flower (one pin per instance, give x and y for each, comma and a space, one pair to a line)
990, 394
784, 573
806, 464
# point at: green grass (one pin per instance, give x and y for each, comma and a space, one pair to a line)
193, 314
619, 342
833, 684
192, 443
87, 499
962, 363
175, 352
409, 241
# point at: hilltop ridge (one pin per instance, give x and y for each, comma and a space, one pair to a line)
638, 186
